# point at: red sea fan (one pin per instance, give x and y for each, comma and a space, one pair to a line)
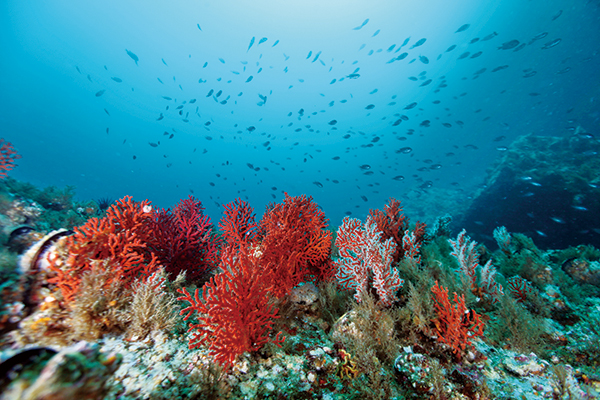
235, 313
455, 325
183, 240
115, 243
392, 223
8, 155
296, 242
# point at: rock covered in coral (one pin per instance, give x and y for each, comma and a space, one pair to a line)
583, 271
76, 372
304, 296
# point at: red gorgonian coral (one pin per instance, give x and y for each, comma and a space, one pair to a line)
235, 312
8, 155
115, 243
366, 262
454, 324
295, 242
183, 240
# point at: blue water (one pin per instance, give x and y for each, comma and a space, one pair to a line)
58, 56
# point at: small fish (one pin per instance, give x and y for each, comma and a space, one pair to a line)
370, 107
411, 105
167, 98
419, 43
251, 43
106, 111
276, 42
118, 80
198, 25
353, 76
133, 56
427, 82
318, 184
489, 37
249, 79
210, 92
376, 32
509, 45
100, 93
78, 70
309, 54
366, 21
153, 144
160, 81
580, 208
475, 55
424, 59
551, 44
161, 117
261, 41
316, 57
449, 49
463, 28
558, 14
500, 68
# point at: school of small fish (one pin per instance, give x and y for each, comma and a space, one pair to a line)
180, 108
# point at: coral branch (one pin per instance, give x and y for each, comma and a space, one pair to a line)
468, 260
8, 155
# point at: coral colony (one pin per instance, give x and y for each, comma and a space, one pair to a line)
283, 307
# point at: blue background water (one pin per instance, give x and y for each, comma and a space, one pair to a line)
50, 111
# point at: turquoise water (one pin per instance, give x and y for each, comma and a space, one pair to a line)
81, 111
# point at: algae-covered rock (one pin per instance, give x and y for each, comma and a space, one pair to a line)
76, 372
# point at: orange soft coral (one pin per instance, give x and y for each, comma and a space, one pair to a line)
116, 242
296, 242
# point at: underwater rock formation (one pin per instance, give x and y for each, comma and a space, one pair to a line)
544, 187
